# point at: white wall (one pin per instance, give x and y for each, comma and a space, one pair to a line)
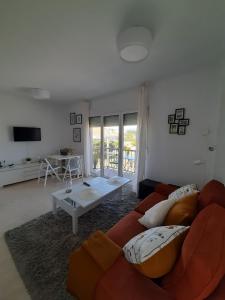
81, 107
220, 149
19, 111
117, 103
172, 156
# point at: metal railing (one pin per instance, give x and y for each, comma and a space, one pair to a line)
111, 159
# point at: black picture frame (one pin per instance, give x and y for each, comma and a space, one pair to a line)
181, 130
77, 135
184, 122
171, 119
72, 118
79, 119
173, 128
179, 113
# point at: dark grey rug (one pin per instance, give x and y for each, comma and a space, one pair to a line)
41, 247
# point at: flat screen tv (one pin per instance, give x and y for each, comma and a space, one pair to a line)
26, 134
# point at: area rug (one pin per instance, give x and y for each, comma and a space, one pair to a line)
41, 247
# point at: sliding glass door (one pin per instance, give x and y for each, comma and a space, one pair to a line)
129, 144
111, 149
96, 137
113, 141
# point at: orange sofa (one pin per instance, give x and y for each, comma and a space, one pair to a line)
197, 280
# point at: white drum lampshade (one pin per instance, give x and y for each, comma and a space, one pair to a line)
134, 44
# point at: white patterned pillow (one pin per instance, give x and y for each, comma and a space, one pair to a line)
183, 191
146, 244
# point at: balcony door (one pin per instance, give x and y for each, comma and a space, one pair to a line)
113, 140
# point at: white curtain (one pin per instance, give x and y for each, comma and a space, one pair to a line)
142, 134
87, 144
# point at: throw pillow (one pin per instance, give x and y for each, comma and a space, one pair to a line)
201, 265
183, 211
156, 215
154, 251
183, 191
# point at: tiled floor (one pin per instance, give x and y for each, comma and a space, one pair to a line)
19, 203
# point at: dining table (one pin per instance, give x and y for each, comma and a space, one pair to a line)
63, 158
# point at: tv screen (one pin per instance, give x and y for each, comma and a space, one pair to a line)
26, 134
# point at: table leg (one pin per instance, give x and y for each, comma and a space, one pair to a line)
74, 223
54, 205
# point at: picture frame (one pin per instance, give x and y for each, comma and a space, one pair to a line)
182, 130
72, 118
173, 128
184, 122
171, 119
77, 135
179, 113
79, 119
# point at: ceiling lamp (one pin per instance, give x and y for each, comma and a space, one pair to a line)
134, 43
39, 94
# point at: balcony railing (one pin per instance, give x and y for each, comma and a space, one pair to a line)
111, 159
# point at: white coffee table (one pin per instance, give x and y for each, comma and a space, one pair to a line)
85, 198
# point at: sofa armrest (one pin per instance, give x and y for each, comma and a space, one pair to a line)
88, 263
149, 202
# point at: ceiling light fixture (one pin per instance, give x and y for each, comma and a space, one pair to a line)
134, 43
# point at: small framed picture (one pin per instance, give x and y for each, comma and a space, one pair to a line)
173, 128
79, 119
179, 113
77, 135
182, 130
72, 118
184, 122
171, 119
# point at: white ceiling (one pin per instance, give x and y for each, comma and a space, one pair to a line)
69, 46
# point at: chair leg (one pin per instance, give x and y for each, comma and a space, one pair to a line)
64, 177
70, 173
46, 176
39, 176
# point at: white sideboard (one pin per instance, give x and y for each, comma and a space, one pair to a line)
18, 173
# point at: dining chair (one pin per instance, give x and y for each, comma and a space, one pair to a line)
48, 168
73, 167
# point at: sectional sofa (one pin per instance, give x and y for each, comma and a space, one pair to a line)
199, 272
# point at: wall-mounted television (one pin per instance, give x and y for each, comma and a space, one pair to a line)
26, 134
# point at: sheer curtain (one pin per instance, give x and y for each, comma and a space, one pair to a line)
87, 144
142, 134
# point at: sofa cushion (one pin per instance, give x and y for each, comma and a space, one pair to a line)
126, 228
165, 189
149, 202
201, 265
155, 251
212, 192
219, 293
183, 212
122, 281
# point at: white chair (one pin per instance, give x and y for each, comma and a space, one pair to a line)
48, 169
74, 167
